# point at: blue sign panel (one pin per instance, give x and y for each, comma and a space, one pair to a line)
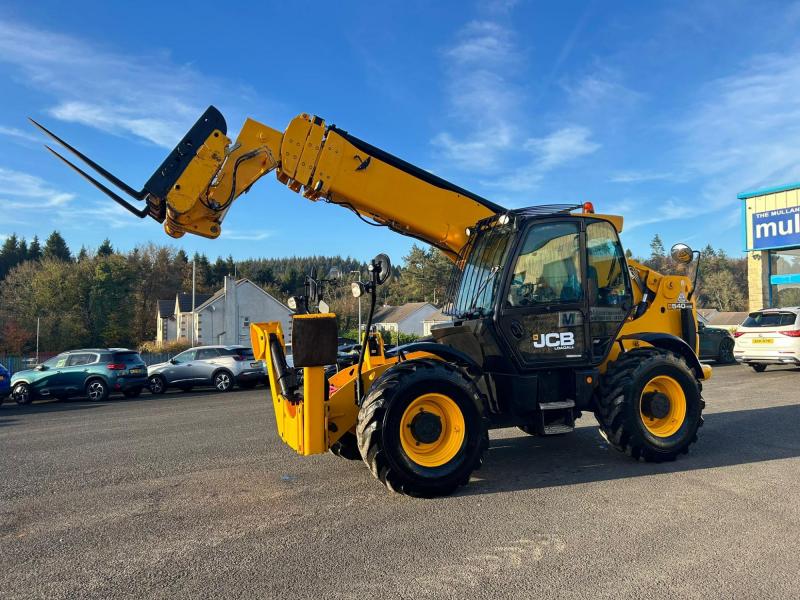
776, 228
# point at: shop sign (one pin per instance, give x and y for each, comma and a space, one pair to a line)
776, 228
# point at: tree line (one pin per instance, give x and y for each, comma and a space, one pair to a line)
104, 297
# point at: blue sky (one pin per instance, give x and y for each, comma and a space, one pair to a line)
660, 111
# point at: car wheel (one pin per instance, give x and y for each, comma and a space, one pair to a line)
726, 352
223, 381
758, 367
157, 384
22, 394
133, 392
96, 390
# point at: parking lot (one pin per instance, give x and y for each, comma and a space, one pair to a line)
193, 495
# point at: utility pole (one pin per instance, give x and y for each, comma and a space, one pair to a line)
37, 340
194, 273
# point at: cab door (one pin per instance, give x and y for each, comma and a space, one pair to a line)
543, 313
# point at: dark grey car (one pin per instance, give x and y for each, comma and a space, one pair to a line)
219, 366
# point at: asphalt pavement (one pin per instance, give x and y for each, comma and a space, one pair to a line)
192, 495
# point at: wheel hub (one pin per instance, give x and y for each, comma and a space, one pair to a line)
426, 427
655, 405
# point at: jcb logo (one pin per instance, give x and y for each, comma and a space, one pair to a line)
554, 340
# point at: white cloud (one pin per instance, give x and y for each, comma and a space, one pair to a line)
18, 134
30, 192
640, 176
237, 235
149, 97
493, 135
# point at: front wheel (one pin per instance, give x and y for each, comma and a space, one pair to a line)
726, 352
22, 394
649, 405
421, 428
157, 384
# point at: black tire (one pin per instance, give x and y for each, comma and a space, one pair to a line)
223, 381
726, 352
157, 384
758, 367
96, 390
22, 394
247, 385
132, 393
378, 430
346, 447
620, 395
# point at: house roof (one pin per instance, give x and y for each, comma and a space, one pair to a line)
185, 301
166, 308
220, 293
437, 317
395, 314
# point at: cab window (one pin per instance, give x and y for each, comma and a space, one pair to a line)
606, 278
548, 268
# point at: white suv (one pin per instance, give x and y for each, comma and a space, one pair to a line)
769, 337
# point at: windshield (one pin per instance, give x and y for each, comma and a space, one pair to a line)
473, 289
770, 319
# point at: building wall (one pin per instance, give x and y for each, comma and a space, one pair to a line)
758, 260
214, 321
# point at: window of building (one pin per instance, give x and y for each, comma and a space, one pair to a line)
784, 267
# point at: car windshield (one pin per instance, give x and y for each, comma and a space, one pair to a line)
129, 358
770, 319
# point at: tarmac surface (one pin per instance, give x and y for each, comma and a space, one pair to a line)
192, 495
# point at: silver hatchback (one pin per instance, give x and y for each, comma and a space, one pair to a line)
219, 366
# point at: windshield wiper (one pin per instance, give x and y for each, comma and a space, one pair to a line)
480, 289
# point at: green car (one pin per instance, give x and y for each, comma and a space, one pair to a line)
92, 372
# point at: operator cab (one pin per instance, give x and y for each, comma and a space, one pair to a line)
549, 285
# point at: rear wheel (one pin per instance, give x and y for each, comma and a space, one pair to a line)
346, 447
726, 352
649, 405
96, 390
758, 367
22, 394
223, 381
421, 429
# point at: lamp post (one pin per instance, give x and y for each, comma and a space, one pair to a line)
359, 305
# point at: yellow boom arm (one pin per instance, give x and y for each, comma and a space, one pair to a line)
195, 186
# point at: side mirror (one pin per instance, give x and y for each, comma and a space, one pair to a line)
681, 253
700, 326
381, 266
172, 361
41, 367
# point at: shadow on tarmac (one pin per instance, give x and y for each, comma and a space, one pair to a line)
726, 439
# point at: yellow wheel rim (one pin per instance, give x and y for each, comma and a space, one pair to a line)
432, 430
668, 420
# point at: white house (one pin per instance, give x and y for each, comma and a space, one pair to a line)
224, 317
407, 318
174, 317
436, 318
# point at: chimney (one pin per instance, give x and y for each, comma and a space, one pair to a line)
231, 312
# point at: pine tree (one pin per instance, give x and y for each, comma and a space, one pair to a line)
35, 249
56, 248
105, 249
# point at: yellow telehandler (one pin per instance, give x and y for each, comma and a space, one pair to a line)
549, 318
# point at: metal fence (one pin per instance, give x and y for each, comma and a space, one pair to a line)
16, 363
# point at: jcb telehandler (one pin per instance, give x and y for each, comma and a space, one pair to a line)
549, 318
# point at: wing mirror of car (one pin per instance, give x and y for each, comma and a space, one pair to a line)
700, 326
41, 367
172, 361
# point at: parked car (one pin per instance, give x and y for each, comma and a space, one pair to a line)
769, 337
91, 372
222, 367
716, 343
5, 383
